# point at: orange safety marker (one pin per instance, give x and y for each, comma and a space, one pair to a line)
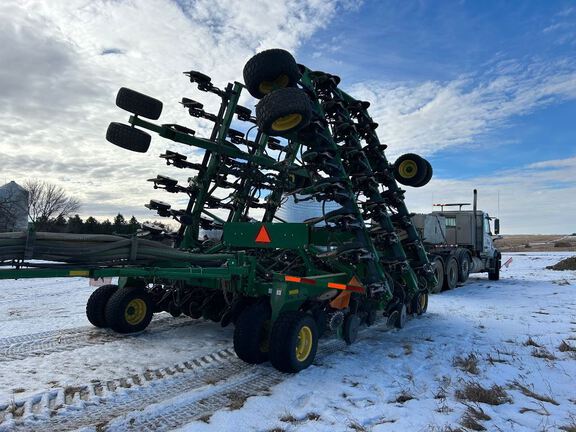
299, 280
263, 236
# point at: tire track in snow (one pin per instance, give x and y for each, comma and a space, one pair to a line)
158, 399
45, 343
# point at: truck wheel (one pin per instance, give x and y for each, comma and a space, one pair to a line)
269, 70
439, 273
464, 263
128, 137
283, 112
252, 333
96, 305
494, 274
138, 103
129, 310
410, 169
293, 342
451, 274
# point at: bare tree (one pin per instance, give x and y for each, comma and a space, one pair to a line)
47, 201
7, 211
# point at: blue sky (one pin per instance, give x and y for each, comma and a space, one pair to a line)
417, 41
486, 90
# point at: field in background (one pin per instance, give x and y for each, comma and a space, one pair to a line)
537, 243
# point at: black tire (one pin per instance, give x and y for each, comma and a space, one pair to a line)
251, 333
410, 169
96, 305
138, 103
371, 317
438, 265
350, 328
293, 341
214, 308
464, 263
429, 173
451, 273
283, 112
402, 316
128, 137
129, 310
268, 70
494, 274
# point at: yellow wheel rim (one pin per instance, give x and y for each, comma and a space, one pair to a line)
423, 301
135, 311
408, 169
287, 122
266, 87
304, 344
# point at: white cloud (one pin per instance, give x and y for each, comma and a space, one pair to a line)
63, 62
536, 198
428, 117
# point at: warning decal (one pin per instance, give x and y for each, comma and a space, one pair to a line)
263, 236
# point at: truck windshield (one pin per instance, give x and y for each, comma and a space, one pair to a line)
487, 225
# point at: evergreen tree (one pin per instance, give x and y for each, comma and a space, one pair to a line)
106, 227
75, 224
133, 225
119, 224
91, 226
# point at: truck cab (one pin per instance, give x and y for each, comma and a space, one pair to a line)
460, 240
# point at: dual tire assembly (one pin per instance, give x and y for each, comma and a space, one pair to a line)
290, 343
124, 310
451, 270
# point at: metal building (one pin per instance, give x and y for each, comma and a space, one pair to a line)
13, 207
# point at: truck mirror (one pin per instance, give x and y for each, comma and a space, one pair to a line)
496, 226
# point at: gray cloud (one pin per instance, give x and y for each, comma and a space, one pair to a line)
68, 58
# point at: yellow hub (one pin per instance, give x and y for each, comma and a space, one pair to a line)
135, 311
304, 344
266, 87
287, 122
423, 301
408, 169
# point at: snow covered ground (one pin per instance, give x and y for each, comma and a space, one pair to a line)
494, 355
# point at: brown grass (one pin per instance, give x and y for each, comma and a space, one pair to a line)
355, 426
312, 416
531, 342
543, 353
236, 400
403, 397
566, 347
288, 418
472, 418
494, 360
473, 391
526, 391
571, 427
205, 418
467, 364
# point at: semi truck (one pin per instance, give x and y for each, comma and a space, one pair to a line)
459, 242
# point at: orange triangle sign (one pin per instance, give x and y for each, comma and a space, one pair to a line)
263, 236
